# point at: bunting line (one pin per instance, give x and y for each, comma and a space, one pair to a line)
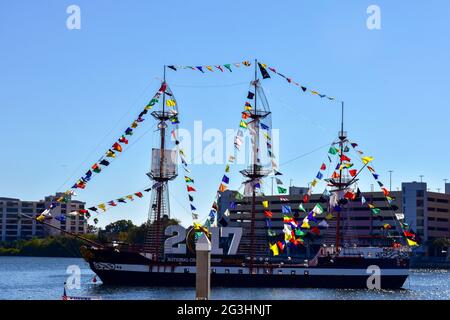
119, 145
213, 68
303, 88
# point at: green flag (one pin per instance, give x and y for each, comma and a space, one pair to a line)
376, 211
282, 190
271, 233
239, 196
332, 150
301, 208
299, 233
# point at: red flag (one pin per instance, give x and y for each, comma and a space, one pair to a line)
385, 191
163, 87
305, 198
123, 140
116, 146
353, 172
280, 245
350, 195
316, 231
139, 194
190, 189
335, 175
81, 185
345, 158
112, 203
268, 214
323, 167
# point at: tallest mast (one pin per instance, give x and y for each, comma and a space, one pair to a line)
255, 171
342, 137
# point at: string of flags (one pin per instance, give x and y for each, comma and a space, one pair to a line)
263, 68
119, 145
225, 181
99, 208
188, 180
411, 238
213, 68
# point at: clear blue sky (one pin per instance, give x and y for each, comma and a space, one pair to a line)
67, 94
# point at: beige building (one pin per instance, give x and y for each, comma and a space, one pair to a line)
14, 225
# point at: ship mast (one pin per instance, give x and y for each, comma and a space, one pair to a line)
342, 137
160, 175
254, 172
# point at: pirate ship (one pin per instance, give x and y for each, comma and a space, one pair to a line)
241, 255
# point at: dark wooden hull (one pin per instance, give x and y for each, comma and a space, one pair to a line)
133, 269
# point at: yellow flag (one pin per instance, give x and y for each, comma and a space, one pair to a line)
170, 103
329, 216
305, 225
366, 160
314, 92
265, 204
209, 68
102, 206
40, 218
287, 236
411, 243
313, 184
110, 154
134, 124
227, 168
274, 249
148, 107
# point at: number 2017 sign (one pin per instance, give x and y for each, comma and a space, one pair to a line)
176, 243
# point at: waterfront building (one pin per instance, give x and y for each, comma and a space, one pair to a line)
14, 225
428, 213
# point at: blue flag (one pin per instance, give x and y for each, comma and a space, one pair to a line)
286, 209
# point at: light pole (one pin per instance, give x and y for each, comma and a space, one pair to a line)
421, 176
390, 179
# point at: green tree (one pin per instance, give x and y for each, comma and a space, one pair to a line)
119, 226
439, 244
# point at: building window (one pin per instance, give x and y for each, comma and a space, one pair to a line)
419, 193
419, 203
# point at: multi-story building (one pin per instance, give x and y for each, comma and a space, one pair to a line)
17, 218
428, 213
